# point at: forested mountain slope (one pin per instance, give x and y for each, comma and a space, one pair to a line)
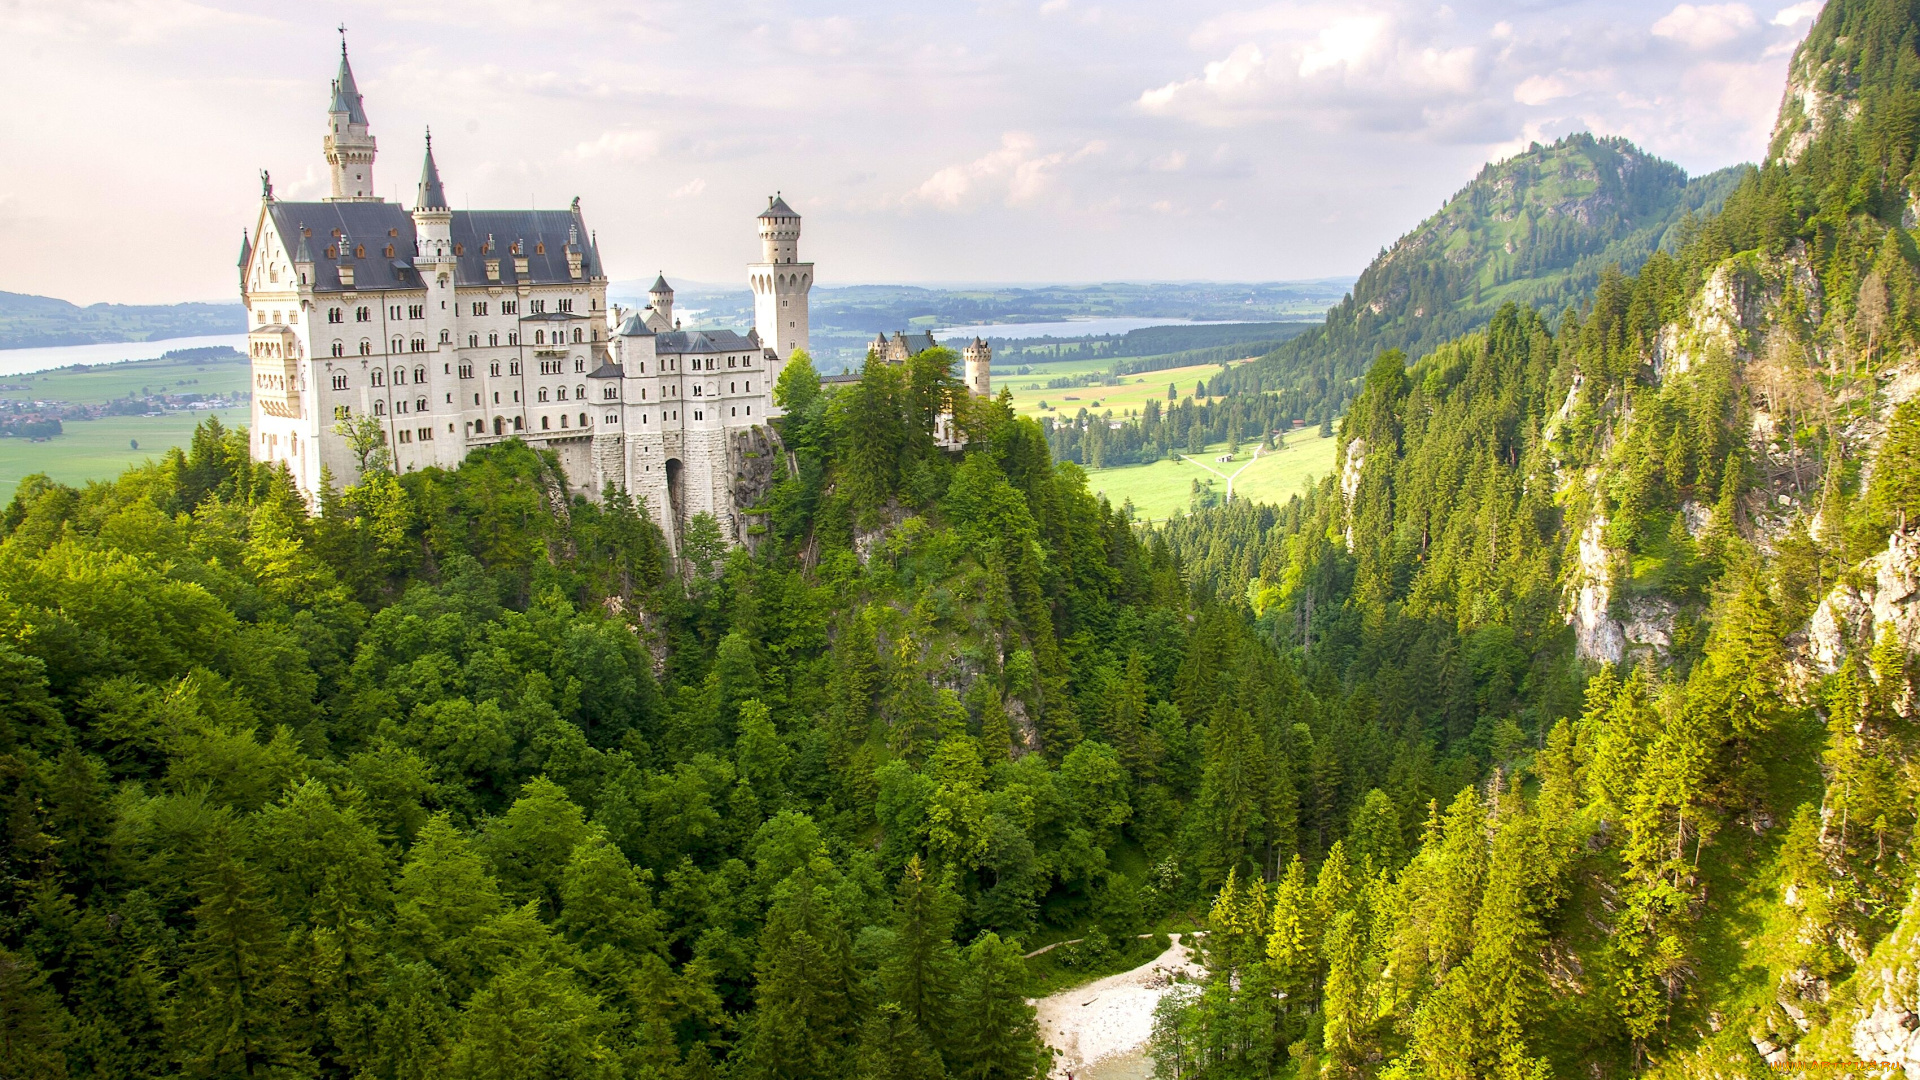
1650, 564
1536, 229
1567, 731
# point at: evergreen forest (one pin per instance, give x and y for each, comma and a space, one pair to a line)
1567, 730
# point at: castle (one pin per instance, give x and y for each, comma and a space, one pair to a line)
435, 331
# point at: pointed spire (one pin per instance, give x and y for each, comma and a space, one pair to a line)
433, 196
346, 95
660, 286
246, 251
301, 252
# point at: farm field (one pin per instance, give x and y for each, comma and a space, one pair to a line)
101, 383
101, 449
1029, 391
1164, 488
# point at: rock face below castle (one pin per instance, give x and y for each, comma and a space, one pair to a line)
411, 337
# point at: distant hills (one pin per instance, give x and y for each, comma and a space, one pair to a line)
1537, 229
28, 321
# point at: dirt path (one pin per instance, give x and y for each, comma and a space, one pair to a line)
1109, 1017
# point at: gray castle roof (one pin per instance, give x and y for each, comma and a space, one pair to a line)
346, 95
433, 194
660, 286
633, 325
607, 370
702, 341
372, 226
777, 207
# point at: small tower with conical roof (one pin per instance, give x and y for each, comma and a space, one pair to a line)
432, 218
979, 360
661, 297
780, 283
349, 143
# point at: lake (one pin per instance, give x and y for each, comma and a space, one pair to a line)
1065, 328
22, 361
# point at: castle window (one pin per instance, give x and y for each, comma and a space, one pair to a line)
416, 311
560, 392
513, 337
419, 374
494, 368
366, 348
566, 305
643, 393
397, 345
543, 393
749, 410
379, 377
563, 419
466, 371
543, 423
729, 361
479, 308
513, 367
613, 418
610, 392
260, 317
420, 405
335, 315
580, 364
698, 415
509, 307
446, 337
473, 341
389, 251
516, 395
493, 339
519, 422
426, 434
399, 376
537, 307
583, 419
362, 314
733, 412
730, 387
576, 333
339, 382
581, 393
419, 344
341, 412
539, 337
379, 408
697, 390
339, 348
393, 312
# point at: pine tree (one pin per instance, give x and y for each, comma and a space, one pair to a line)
233, 1017
996, 1034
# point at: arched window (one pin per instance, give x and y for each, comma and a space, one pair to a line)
473, 341
560, 392
539, 337
583, 419
419, 374
544, 423
580, 392
543, 393
576, 333
339, 348
366, 348
379, 377
379, 407
446, 337
398, 345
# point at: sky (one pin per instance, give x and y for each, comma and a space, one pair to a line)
925, 142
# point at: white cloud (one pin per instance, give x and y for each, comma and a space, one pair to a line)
1788, 16
689, 189
1015, 172
1539, 89
620, 146
1706, 26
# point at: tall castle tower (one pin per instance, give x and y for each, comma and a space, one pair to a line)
780, 282
979, 360
349, 144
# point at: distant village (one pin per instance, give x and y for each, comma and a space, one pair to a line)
40, 419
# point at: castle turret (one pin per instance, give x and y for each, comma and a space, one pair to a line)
661, 297
780, 282
349, 144
979, 361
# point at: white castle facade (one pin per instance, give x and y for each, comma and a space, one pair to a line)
455, 329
